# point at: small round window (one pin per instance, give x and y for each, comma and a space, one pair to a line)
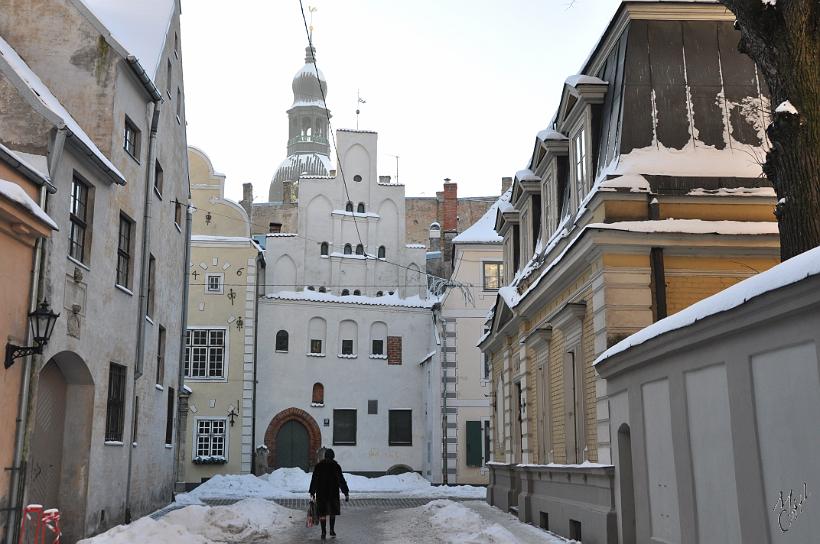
357, 177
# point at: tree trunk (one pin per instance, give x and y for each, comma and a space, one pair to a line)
783, 38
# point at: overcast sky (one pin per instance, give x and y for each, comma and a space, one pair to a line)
456, 88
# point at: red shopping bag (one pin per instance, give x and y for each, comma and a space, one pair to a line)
312, 517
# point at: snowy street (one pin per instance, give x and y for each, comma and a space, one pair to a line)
271, 510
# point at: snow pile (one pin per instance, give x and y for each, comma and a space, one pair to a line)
385, 300
549, 134
16, 194
734, 191
581, 79
786, 273
453, 522
785, 107
246, 521
294, 482
634, 182
483, 230
691, 226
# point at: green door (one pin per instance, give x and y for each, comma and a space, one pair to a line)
292, 446
474, 444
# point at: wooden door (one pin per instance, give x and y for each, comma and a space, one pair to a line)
292, 446
47, 441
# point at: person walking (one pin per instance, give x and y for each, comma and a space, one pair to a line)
325, 484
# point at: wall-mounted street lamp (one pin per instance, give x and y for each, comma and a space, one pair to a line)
42, 322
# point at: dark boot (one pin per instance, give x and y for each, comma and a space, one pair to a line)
332, 525
323, 523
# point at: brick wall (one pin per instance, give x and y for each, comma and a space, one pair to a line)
394, 350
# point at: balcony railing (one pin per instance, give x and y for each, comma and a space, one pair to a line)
308, 139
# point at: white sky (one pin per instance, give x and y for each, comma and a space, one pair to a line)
457, 88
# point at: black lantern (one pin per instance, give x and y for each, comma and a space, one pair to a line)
41, 321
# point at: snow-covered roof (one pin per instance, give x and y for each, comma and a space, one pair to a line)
526, 175
736, 191
691, 226
483, 230
549, 134
787, 273
634, 182
223, 239
13, 192
140, 27
581, 79
21, 70
415, 246
386, 300
356, 214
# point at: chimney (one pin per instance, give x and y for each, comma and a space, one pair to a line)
247, 198
505, 184
450, 219
384, 180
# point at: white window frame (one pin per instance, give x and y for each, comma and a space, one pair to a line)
580, 188
225, 354
195, 433
221, 277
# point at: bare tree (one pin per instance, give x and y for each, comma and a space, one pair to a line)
783, 38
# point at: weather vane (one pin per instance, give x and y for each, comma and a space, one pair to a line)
312, 10
359, 100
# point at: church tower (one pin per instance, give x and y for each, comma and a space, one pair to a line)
308, 145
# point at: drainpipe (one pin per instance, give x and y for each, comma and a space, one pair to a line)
143, 298
181, 365
443, 363
18, 481
260, 263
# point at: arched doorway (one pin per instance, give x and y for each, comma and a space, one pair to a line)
61, 441
293, 437
292, 446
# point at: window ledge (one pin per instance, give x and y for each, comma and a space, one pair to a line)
78, 263
113, 443
315, 354
347, 356
159, 387
317, 404
134, 444
169, 446
375, 356
281, 351
149, 319
324, 256
125, 290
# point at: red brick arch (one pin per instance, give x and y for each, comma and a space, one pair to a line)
314, 433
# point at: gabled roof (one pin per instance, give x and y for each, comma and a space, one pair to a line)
483, 231
42, 100
138, 30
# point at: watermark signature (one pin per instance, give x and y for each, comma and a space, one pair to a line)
789, 507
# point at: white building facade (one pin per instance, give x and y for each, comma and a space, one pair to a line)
345, 325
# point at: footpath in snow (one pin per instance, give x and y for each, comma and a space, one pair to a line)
293, 483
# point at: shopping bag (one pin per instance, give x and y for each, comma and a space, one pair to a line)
312, 517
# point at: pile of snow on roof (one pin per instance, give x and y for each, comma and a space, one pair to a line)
483, 230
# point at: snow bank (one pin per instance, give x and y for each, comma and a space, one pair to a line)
294, 482
786, 273
453, 522
247, 521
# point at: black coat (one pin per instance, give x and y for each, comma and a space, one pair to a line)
326, 482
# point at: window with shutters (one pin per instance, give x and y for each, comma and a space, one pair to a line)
115, 407
344, 427
474, 444
400, 431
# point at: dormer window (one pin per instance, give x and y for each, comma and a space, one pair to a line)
345, 292
349, 207
579, 164
357, 293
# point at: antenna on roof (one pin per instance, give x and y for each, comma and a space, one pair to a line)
359, 100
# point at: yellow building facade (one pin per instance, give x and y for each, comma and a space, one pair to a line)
624, 215
219, 343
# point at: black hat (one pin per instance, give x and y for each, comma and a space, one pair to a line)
329, 454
